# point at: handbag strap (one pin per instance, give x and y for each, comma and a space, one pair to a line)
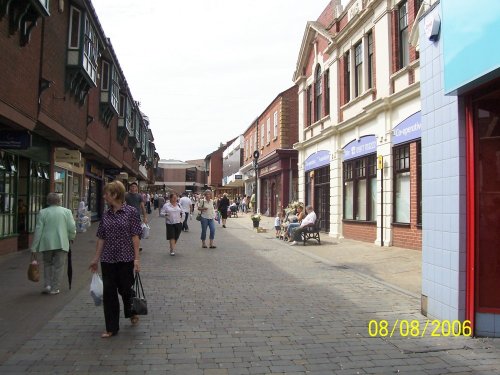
137, 284
33, 256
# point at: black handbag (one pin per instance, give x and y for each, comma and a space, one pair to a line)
139, 305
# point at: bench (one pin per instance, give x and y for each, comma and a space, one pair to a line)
233, 211
311, 232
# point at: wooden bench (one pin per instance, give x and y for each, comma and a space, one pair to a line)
312, 232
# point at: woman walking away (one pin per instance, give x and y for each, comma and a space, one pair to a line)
222, 208
55, 227
118, 250
173, 219
206, 206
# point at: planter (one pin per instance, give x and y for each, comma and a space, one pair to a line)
255, 223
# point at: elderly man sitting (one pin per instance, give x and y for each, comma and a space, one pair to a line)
309, 220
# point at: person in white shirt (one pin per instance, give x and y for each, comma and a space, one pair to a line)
277, 224
172, 212
185, 204
308, 221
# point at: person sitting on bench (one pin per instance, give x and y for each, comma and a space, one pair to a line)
309, 220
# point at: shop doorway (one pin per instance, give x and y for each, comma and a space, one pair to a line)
486, 123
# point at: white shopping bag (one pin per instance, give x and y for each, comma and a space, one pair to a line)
96, 289
145, 231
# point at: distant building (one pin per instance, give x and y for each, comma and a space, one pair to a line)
179, 176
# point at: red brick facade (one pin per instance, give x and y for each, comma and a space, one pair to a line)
360, 231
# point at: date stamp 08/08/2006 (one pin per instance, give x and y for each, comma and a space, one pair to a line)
416, 328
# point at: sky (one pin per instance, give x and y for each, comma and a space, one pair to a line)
203, 70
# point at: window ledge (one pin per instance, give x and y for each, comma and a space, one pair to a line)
319, 122
401, 225
401, 72
358, 98
351, 221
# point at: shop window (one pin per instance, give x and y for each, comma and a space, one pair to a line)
403, 44
360, 189
8, 193
318, 92
39, 188
402, 184
358, 69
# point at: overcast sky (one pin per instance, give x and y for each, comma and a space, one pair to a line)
203, 70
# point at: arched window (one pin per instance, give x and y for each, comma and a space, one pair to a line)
318, 90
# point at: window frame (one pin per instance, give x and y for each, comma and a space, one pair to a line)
327, 91
275, 125
347, 77
369, 62
309, 105
356, 170
90, 53
268, 132
71, 29
262, 134
403, 42
318, 93
358, 69
401, 154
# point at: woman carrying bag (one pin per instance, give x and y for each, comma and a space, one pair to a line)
118, 251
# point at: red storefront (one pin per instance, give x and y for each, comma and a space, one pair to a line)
278, 173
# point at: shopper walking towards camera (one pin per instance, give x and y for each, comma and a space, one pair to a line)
118, 250
173, 219
55, 228
206, 206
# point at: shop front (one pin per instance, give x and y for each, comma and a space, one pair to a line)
24, 185
360, 189
278, 181
317, 186
93, 189
68, 177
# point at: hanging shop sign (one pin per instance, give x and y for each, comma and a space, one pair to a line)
408, 129
317, 160
15, 140
63, 155
360, 147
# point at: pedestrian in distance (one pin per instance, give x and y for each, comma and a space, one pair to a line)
185, 204
308, 221
136, 200
277, 224
206, 206
222, 208
243, 204
172, 212
155, 201
55, 228
118, 251
161, 202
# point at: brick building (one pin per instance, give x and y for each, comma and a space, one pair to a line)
180, 176
68, 122
273, 134
359, 109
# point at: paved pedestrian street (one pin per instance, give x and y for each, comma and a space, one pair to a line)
253, 305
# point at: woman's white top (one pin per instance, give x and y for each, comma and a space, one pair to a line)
173, 214
209, 205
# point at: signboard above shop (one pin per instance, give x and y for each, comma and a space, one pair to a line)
317, 160
15, 140
408, 129
63, 155
360, 147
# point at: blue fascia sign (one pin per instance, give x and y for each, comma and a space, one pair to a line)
15, 140
317, 160
360, 147
408, 129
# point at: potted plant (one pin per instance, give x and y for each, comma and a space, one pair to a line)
256, 220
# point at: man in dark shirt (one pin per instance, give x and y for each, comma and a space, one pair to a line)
134, 199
